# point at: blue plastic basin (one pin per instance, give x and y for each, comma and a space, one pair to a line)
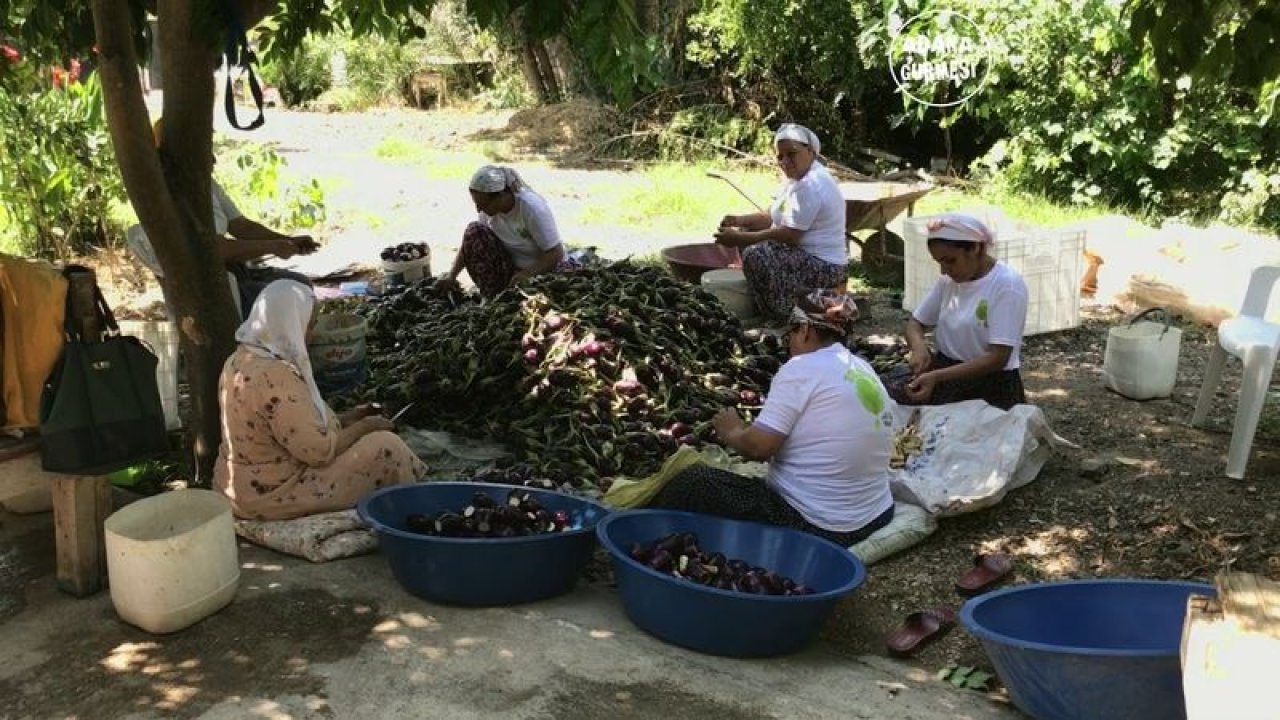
724, 622
1087, 649
479, 571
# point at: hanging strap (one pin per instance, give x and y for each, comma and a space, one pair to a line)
239, 54
101, 309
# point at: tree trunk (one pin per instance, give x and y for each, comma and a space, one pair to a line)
532, 76
170, 191
548, 72
564, 65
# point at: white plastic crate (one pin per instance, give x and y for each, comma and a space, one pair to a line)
1051, 262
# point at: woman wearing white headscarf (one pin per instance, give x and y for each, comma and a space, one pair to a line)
284, 452
800, 244
514, 238
978, 310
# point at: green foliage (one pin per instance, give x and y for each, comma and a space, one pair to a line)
1211, 39
254, 176
300, 75
966, 677
796, 59
58, 177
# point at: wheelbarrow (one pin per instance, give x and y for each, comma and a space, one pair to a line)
872, 206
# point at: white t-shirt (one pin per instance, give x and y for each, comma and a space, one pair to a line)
224, 211
969, 317
527, 231
833, 466
813, 204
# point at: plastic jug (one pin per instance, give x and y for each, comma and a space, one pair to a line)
1141, 359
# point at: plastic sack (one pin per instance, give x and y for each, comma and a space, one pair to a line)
909, 527
973, 454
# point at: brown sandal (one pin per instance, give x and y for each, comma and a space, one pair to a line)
986, 573
918, 630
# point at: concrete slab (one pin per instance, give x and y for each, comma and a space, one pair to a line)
343, 640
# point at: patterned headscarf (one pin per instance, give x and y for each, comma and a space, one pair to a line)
831, 310
496, 178
277, 328
961, 227
800, 134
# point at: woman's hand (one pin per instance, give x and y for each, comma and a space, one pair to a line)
374, 423
304, 244
731, 237
919, 360
282, 247
921, 389
520, 277
727, 422
730, 221
447, 283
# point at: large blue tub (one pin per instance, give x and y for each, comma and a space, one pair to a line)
724, 622
479, 571
1087, 649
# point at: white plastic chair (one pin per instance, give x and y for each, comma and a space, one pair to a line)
138, 244
1256, 342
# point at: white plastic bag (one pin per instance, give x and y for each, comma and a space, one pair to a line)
973, 455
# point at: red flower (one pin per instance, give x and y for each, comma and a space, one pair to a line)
59, 77
10, 53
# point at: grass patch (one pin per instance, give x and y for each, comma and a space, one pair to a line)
677, 198
399, 149
1031, 209
452, 165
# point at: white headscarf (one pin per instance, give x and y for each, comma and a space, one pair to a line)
496, 178
800, 134
277, 328
961, 227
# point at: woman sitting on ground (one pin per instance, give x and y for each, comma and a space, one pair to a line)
284, 452
800, 243
824, 430
978, 309
513, 239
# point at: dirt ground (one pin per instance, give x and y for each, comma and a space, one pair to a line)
1144, 496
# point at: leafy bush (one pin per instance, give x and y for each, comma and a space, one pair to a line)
301, 76
254, 176
58, 175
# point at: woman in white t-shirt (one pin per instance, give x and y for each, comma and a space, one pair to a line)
800, 244
825, 429
978, 310
513, 239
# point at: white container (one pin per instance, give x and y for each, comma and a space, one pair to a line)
410, 271
1141, 359
172, 559
162, 338
1051, 262
730, 286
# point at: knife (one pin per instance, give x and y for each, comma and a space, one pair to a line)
403, 410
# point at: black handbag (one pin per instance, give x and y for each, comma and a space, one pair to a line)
100, 410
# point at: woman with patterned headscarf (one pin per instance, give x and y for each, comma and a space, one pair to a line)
514, 238
825, 430
800, 243
284, 452
978, 310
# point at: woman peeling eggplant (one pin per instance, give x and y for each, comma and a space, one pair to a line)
513, 238
824, 429
800, 242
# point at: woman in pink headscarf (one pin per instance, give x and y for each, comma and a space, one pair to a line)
978, 310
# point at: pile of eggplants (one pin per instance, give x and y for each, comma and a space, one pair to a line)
522, 515
583, 375
680, 556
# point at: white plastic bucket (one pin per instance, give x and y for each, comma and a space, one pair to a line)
1141, 358
407, 272
162, 338
172, 559
338, 351
730, 286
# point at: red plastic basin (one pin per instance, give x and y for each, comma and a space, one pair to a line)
688, 262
